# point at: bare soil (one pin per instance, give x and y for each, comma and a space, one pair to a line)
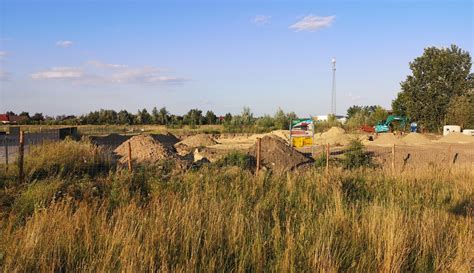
277, 155
145, 149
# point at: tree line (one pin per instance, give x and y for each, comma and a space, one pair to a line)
194, 117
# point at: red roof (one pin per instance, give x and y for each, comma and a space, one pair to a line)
4, 118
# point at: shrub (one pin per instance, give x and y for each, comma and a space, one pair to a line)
238, 159
356, 157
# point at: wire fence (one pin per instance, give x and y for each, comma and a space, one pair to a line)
395, 158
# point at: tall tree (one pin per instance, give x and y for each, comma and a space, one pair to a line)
211, 118
163, 116
155, 117
460, 111
439, 75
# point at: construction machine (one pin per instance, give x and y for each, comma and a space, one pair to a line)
387, 126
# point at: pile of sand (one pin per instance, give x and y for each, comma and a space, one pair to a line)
386, 139
415, 138
145, 149
334, 136
195, 141
282, 134
277, 155
456, 138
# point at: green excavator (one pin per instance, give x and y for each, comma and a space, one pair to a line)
386, 125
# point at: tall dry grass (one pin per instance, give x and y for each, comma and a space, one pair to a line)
226, 219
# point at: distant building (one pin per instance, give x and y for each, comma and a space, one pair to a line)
340, 118
4, 119
12, 119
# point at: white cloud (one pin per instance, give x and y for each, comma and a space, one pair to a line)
64, 44
107, 74
59, 73
313, 23
3, 54
100, 64
261, 20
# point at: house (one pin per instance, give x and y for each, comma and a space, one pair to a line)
12, 119
4, 119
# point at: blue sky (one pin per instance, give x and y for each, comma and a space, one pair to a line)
74, 57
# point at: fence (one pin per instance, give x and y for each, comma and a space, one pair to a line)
394, 158
400, 158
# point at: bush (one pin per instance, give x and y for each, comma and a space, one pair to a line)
238, 159
356, 157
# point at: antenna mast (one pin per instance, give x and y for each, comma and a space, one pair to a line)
333, 94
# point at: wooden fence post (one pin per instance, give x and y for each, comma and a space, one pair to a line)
130, 167
21, 151
6, 155
393, 158
259, 151
327, 158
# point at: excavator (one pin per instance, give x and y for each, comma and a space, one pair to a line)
386, 125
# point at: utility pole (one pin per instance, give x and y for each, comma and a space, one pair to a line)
333, 93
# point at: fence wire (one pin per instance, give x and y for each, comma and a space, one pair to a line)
103, 158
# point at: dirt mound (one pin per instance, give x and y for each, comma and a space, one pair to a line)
456, 138
387, 139
415, 138
112, 140
145, 149
334, 136
166, 139
200, 140
277, 155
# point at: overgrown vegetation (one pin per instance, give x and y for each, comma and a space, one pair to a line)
356, 157
225, 218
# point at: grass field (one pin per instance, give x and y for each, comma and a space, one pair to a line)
78, 212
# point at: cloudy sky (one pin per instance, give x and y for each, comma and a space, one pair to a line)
74, 57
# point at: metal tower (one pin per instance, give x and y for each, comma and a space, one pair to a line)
333, 93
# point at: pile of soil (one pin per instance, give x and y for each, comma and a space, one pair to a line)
167, 139
277, 155
112, 140
387, 139
145, 149
196, 141
415, 138
456, 138
334, 136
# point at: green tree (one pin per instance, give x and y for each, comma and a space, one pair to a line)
124, 117
155, 115
211, 118
247, 116
193, 117
228, 118
266, 122
437, 76
163, 116
379, 114
281, 120
143, 117
460, 111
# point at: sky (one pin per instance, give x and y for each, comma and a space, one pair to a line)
72, 57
